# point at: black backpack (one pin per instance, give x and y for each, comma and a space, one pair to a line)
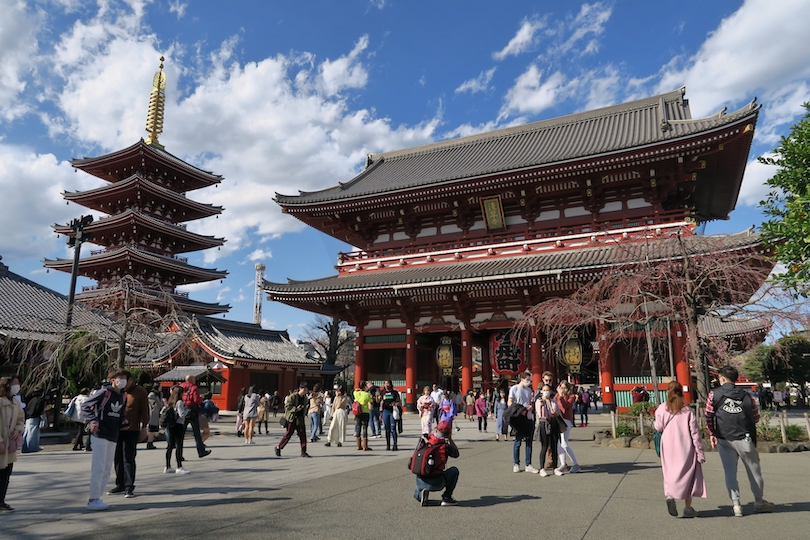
425, 456
168, 417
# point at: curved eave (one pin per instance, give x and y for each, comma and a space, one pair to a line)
95, 198
113, 166
195, 274
593, 135
126, 219
157, 298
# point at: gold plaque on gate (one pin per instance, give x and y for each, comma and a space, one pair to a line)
492, 209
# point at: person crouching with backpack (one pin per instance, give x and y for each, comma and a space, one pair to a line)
440, 478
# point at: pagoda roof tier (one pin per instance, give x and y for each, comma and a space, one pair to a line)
141, 192
99, 296
142, 265
637, 145
152, 162
555, 272
132, 226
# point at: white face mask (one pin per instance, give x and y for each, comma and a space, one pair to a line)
546, 394
15, 389
121, 384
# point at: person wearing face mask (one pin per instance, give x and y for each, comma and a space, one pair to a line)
137, 413
12, 422
521, 394
548, 427
105, 415
33, 418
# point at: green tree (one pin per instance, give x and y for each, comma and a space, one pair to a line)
794, 351
787, 205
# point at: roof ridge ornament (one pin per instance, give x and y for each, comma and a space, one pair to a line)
157, 103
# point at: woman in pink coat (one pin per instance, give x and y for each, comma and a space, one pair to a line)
681, 452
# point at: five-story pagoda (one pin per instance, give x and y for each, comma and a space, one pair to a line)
145, 228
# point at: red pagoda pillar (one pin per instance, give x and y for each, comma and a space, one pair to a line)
410, 368
679, 351
536, 351
359, 356
466, 359
606, 369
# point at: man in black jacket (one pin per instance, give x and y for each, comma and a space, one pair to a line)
295, 411
731, 418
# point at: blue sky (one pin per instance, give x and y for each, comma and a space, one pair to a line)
278, 96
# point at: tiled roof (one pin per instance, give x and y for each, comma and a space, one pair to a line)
29, 311
179, 374
233, 340
730, 327
636, 124
511, 267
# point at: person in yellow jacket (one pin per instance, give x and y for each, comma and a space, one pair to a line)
363, 398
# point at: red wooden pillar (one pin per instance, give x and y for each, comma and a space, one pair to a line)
606, 369
359, 356
679, 351
410, 368
466, 359
536, 351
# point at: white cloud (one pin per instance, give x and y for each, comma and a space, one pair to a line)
603, 87
532, 93
345, 72
477, 84
178, 7
760, 49
18, 45
753, 188
586, 26
260, 255
379, 4
524, 40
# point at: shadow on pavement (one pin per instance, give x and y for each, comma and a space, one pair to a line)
492, 500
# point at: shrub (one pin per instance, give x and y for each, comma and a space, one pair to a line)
795, 433
624, 430
643, 408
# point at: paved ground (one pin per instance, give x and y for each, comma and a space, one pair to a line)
245, 492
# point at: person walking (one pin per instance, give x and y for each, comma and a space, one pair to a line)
264, 402
374, 410
447, 409
314, 412
681, 451
469, 410
250, 412
76, 407
137, 413
193, 400
175, 431
547, 428
521, 394
104, 413
337, 426
501, 425
34, 409
363, 400
326, 414
425, 406
275, 403
481, 411
12, 425
389, 399
565, 401
155, 405
240, 412
731, 418
296, 408
584, 405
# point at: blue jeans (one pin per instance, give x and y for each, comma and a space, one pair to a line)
390, 427
31, 435
376, 429
516, 449
315, 420
446, 481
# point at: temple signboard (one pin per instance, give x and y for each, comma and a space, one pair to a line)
507, 353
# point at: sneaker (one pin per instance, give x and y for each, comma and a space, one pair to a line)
328, 444
151, 446
764, 507
97, 504
543, 472
738, 511
339, 444
423, 497
117, 490
576, 469
449, 501
304, 454
182, 470
689, 512
671, 507
516, 468
5, 508
129, 495
205, 453
252, 441
564, 468
558, 472
247, 442
278, 451
168, 470
531, 469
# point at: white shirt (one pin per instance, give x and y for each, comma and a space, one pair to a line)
522, 395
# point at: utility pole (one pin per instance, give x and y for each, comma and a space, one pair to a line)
75, 242
257, 299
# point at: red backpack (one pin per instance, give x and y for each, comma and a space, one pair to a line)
357, 409
425, 458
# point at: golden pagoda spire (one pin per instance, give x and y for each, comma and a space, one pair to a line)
157, 102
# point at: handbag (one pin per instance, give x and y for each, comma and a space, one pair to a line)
395, 412
283, 421
657, 438
563, 425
